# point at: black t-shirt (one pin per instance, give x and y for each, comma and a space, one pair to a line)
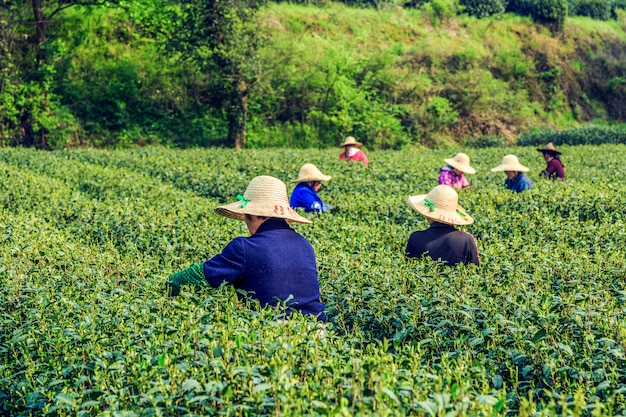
443, 242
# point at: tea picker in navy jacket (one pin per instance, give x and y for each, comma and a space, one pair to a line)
274, 264
442, 241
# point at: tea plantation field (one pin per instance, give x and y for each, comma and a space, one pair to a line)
88, 237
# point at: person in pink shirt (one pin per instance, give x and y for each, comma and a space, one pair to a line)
453, 173
352, 152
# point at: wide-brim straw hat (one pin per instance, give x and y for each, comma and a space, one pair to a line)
461, 162
549, 148
265, 196
350, 140
510, 163
310, 172
441, 205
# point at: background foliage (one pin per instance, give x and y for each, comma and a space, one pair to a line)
426, 74
586, 135
88, 237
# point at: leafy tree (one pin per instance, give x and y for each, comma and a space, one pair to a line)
222, 38
30, 107
8, 69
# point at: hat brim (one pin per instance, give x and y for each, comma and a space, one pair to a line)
236, 212
463, 168
515, 168
307, 179
357, 144
548, 150
457, 217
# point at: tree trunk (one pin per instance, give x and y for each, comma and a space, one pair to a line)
32, 138
40, 32
238, 116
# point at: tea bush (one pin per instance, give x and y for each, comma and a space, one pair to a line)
88, 237
586, 135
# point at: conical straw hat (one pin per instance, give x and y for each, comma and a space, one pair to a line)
510, 163
265, 196
310, 172
461, 162
350, 140
441, 205
549, 148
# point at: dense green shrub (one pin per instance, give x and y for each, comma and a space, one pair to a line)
482, 8
615, 5
596, 9
588, 135
441, 10
549, 12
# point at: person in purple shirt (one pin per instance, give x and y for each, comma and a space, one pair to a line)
304, 195
275, 264
553, 159
516, 180
453, 173
442, 241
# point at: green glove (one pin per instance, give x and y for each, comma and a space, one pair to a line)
194, 275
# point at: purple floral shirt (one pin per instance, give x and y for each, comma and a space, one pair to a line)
447, 176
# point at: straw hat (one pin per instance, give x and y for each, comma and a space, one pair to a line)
549, 149
265, 196
310, 172
510, 163
461, 162
441, 205
350, 140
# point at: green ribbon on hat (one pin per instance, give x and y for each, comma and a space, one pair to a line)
429, 204
244, 200
461, 213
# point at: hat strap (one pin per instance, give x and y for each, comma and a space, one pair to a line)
429, 204
244, 201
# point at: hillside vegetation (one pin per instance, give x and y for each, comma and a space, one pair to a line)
391, 76
400, 76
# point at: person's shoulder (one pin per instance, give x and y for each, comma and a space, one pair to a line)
465, 237
416, 234
464, 233
302, 188
236, 245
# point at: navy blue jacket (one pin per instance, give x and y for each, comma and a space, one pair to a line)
276, 263
443, 242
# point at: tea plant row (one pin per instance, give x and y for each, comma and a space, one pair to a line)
88, 237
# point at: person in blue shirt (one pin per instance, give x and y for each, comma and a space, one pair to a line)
275, 264
516, 180
304, 195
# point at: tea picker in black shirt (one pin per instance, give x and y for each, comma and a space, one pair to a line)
442, 241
